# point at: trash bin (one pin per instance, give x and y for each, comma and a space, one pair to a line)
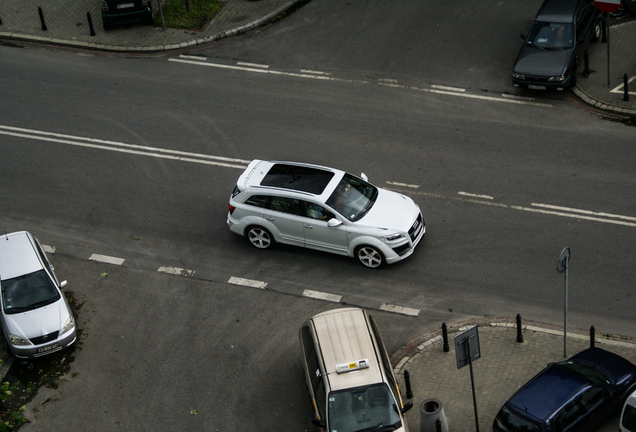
430, 411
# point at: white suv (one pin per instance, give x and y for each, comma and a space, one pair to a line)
325, 209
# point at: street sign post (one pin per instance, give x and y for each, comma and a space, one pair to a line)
467, 350
562, 267
608, 6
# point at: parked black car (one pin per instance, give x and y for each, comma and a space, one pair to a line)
116, 12
554, 47
570, 396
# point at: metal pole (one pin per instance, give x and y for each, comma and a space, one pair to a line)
565, 311
472, 382
608, 48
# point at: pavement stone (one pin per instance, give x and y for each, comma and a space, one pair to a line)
505, 365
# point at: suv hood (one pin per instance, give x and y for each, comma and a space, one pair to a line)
542, 62
391, 211
38, 322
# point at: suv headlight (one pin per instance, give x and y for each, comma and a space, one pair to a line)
394, 237
68, 325
17, 340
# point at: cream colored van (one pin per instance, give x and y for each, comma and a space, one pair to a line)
628, 415
349, 375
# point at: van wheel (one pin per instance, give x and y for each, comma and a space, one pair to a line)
369, 256
259, 237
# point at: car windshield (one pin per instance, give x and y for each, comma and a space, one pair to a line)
508, 420
592, 374
547, 35
31, 291
353, 197
370, 408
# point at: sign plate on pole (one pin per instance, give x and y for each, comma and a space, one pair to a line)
608, 5
467, 347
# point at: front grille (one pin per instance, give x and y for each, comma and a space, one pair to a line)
44, 339
415, 226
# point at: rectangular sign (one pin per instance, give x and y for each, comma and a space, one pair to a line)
467, 347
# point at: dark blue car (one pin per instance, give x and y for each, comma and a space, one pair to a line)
573, 395
118, 12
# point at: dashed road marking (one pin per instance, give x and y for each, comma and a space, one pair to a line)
247, 282
474, 195
403, 184
176, 271
107, 259
253, 65
400, 309
455, 89
322, 296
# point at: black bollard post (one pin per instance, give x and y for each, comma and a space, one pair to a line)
625, 89
438, 425
592, 336
407, 381
42, 18
445, 337
586, 58
90, 23
519, 334
0, 21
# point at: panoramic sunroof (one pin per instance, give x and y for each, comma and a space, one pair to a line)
298, 178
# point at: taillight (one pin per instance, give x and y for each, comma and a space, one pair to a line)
145, 2
104, 6
232, 208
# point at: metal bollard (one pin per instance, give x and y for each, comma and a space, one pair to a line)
519, 334
42, 18
586, 58
90, 23
592, 334
407, 381
625, 89
445, 337
438, 425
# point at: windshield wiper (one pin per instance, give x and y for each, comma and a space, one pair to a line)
381, 427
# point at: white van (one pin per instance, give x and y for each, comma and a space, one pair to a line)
348, 373
628, 415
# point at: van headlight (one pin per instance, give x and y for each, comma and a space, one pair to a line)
68, 325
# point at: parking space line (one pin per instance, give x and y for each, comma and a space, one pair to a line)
322, 296
176, 271
107, 259
474, 195
400, 309
247, 282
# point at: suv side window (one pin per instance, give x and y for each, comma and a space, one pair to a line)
568, 415
316, 211
285, 205
257, 201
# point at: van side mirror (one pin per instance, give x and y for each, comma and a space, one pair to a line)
407, 406
319, 423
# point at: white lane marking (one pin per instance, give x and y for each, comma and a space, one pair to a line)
193, 57
474, 195
123, 147
107, 259
620, 88
589, 212
247, 282
253, 65
322, 296
491, 98
511, 96
400, 309
389, 80
48, 249
454, 89
403, 184
265, 71
176, 271
314, 72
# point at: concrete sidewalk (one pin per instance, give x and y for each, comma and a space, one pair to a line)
67, 25
504, 366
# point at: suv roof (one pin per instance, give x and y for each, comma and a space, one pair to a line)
559, 11
307, 178
17, 255
345, 337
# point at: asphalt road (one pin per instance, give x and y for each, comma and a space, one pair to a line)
504, 183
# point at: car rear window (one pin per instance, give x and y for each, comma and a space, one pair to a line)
300, 178
509, 421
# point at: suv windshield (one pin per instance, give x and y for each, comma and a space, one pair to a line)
547, 35
363, 409
31, 291
353, 197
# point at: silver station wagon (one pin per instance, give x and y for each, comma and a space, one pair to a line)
325, 209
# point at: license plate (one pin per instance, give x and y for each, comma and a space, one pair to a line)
417, 231
125, 5
48, 348
536, 87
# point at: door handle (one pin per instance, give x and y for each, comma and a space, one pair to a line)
309, 226
270, 218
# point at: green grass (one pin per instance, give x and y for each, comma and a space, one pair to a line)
201, 12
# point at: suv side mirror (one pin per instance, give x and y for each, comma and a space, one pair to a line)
334, 222
407, 406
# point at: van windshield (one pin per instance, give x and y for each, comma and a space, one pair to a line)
369, 408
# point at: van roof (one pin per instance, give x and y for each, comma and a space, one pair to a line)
345, 337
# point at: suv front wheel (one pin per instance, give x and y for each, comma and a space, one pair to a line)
369, 256
259, 237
